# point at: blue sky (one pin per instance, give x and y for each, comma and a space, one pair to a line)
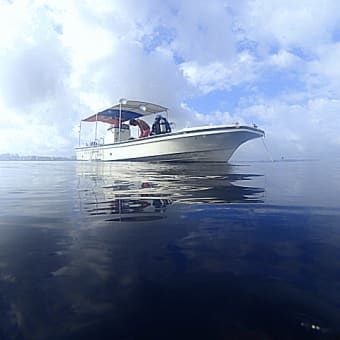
272, 63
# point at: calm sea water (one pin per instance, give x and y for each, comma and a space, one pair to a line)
150, 251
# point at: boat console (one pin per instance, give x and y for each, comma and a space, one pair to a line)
113, 136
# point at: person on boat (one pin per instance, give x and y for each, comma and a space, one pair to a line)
160, 125
115, 124
144, 128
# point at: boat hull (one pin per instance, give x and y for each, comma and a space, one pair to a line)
194, 145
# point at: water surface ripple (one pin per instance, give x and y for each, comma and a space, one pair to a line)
161, 251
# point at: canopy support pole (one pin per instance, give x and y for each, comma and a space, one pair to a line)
95, 135
79, 133
122, 101
120, 120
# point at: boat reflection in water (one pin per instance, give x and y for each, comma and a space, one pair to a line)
168, 251
143, 191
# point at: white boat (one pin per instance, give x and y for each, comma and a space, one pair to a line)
197, 144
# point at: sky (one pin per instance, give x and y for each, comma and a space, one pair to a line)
273, 63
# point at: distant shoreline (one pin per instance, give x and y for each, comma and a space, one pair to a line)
15, 157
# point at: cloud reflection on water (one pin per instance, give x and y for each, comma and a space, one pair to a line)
217, 258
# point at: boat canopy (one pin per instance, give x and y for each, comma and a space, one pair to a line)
128, 110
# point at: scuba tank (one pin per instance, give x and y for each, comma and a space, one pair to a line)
162, 125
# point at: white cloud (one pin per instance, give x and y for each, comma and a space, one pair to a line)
284, 59
323, 73
75, 57
302, 24
213, 118
61, 60
33, 63
307, 130
203, 32
220, 75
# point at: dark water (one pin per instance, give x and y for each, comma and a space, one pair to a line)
147, 251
